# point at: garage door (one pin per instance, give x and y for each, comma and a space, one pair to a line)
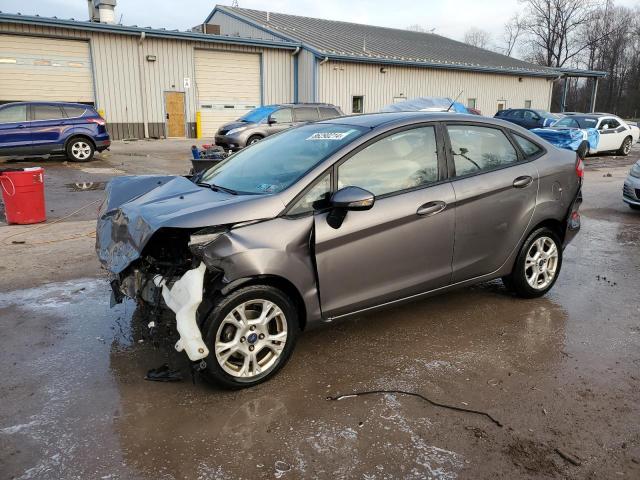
34, 68
228, 86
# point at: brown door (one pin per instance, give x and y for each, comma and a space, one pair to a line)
174, 106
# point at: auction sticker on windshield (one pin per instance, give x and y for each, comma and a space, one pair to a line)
329, 135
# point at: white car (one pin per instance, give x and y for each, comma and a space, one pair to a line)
615, 134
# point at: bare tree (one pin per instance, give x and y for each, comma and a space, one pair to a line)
477, 37
512, 33
552, 29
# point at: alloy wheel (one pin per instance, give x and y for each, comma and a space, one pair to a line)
626, 146
251, 338
541, 263
81, 150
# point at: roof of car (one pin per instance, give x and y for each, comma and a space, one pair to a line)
373, 120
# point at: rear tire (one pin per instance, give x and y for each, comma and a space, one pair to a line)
634, 207
537, 266
244, 351
80, 149
625, 148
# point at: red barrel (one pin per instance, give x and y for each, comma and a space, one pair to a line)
23, 195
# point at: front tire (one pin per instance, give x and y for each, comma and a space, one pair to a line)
537, 266
625, 148
250, 333
253, 139
80, 150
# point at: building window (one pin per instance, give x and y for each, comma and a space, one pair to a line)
357, 104
471, 102
527, 104
502, 104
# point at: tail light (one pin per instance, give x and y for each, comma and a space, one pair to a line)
579, 167
98, 120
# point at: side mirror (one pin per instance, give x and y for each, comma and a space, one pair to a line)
345, 199
352, 198
271, 120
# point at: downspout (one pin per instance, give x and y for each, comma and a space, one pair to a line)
143, 83
294, 54
315, 76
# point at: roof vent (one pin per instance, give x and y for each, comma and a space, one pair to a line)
102, 11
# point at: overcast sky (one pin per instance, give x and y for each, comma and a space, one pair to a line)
449, 17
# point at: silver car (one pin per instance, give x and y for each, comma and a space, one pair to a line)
263, 121
335, 219
631, 189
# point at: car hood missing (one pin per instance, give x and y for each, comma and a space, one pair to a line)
137, 207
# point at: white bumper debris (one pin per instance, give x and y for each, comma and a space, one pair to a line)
184, 298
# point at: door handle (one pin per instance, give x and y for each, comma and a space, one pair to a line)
167, 116
523, 181
431, 208
21, 126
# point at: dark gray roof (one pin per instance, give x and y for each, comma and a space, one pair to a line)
383, 45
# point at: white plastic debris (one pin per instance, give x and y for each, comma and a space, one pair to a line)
184, 298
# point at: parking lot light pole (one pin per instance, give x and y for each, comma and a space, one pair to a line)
565, 88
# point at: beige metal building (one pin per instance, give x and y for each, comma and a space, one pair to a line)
156, 82
146, 82
363, 68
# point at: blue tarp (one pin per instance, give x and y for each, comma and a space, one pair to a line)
569, 138
426, 104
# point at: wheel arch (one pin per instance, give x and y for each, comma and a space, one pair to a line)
74, 136
275, 281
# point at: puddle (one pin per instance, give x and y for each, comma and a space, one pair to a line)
100, 170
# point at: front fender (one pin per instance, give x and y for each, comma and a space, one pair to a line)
279, 247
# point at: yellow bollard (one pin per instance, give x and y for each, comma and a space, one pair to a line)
198, 125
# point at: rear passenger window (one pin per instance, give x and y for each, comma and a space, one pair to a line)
401, 161
305, 114
529, 148
47, 112
478, 149
326, 112
73, 112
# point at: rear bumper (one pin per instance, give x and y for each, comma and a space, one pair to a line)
102, 144
573, 219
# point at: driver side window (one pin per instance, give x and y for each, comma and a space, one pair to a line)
478, 149
282, 116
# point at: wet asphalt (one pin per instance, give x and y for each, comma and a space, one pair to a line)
560, 374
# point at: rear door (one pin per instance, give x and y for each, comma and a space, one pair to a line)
495, 192
47, 125
303, 115
15, 137
404, 244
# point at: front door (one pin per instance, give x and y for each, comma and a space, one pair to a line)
280, 120
495, 198
48, 122
174, 106
612, 133
402, 246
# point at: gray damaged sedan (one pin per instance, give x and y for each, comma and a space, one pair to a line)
334, 219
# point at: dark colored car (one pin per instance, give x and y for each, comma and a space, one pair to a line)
527, 117
263, 121
333, 219
51, 128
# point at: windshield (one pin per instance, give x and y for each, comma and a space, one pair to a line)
277, 162
258, 114
575, 121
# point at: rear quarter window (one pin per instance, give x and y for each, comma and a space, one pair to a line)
529, 148
74, 111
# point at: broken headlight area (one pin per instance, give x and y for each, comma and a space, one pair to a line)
166, 255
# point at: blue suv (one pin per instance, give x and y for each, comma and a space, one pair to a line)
40, 128
528, 118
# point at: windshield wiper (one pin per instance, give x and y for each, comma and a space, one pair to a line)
218, 188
